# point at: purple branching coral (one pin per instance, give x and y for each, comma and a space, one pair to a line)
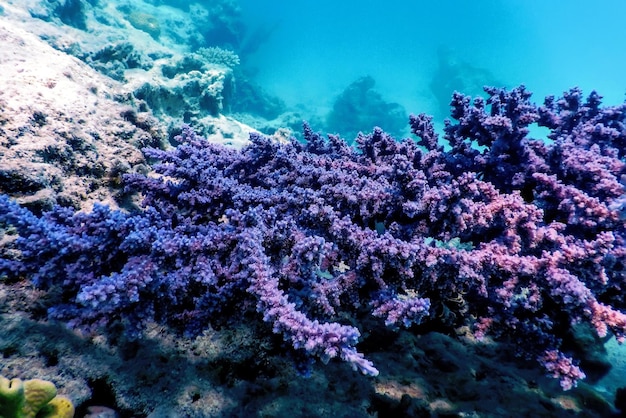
518, 238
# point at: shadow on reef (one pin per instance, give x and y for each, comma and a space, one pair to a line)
132, 376
70, 12
233, 371
238, 370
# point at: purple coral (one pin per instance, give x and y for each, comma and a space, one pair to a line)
518, 237
561, 367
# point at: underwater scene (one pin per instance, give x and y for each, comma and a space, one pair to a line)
252, 208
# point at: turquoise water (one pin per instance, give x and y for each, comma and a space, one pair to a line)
418, 52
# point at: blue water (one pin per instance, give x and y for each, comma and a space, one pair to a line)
316, 48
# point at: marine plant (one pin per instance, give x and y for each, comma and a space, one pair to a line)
515, 237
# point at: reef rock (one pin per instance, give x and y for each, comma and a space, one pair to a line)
63, 136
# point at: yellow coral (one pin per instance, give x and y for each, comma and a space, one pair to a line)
11, 397
37, 393
32, 398
59, 407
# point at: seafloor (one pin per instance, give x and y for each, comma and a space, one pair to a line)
87, 85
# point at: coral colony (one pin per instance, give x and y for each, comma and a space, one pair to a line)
518, 238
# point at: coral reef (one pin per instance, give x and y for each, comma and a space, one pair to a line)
207, 80
186, 95
199, 87
70, 134
62, 136
32, 398
217, 55
219, 21
251, 98
160, 72
454, 74
514, 238
145, 22
114, 59
360, 106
